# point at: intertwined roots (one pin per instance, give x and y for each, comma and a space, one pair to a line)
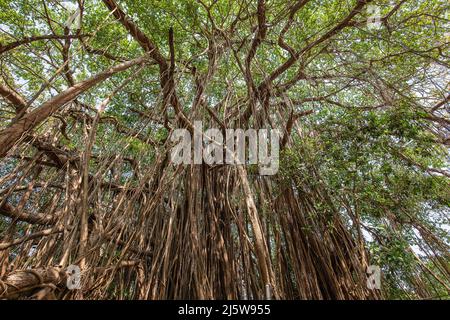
171, 232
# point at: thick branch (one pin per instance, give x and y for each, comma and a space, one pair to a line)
22, 282
13, 97
39, 218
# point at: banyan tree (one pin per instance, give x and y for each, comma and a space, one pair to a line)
93, 207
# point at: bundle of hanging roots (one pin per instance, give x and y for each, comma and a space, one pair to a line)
87, 219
